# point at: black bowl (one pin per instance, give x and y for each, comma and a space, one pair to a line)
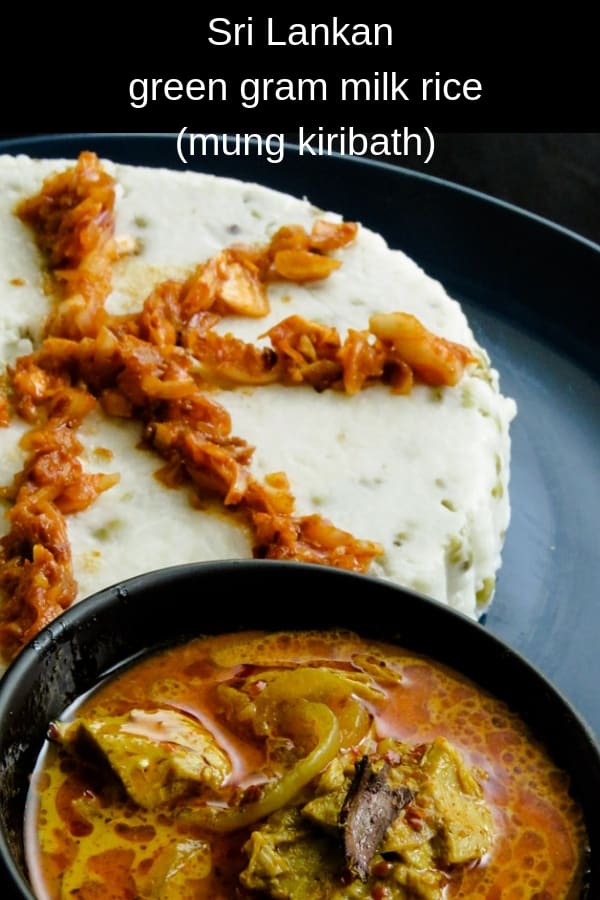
153, 610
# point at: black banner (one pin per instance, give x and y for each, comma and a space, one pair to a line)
261, 74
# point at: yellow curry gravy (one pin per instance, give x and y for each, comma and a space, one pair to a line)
538, 833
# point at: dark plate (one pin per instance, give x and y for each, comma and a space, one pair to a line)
530, 290
75, 650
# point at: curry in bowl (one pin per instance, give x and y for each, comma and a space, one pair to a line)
301, 765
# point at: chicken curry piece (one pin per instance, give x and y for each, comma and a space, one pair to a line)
298, 766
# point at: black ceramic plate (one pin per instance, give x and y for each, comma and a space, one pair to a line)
529, 288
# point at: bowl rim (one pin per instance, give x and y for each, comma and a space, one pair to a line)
107, 597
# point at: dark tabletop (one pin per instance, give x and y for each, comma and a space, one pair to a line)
554, 175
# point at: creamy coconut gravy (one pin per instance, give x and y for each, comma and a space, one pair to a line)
247, 766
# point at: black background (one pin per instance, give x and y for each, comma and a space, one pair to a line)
556, 175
